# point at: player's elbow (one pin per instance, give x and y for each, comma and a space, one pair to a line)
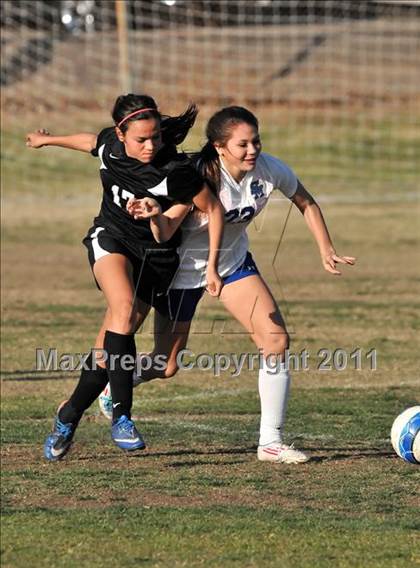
163, 236
160, 239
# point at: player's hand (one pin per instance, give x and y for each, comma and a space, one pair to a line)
331, 259
214, 282
143, 208
37, 139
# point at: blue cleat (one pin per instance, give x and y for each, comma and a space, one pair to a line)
59, 441
126, 436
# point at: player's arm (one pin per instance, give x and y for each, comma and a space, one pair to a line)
316, 223
207, 202
162, 225
84, 142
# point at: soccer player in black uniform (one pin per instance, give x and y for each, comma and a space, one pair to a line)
138, 159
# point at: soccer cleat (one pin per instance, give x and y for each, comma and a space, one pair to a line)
105, 398
126, 436
59, 441
105, 402
281, 453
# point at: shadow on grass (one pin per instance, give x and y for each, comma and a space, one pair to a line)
171, 453
352, 454
33, 375
212, 452
328, 455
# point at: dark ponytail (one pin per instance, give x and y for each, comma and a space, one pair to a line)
208, 163
176, 128
218, 131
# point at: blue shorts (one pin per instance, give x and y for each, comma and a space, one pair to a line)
180, 304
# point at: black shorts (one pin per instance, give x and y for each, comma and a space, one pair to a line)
153, 269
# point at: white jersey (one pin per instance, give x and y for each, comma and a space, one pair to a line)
242, 202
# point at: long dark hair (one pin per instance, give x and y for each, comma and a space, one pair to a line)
218, 131
174, 128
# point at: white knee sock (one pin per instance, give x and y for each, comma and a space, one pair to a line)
273, 387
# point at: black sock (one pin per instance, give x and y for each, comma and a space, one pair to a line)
91, 383
120, 371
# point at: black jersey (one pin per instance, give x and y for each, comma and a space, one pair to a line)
169, 178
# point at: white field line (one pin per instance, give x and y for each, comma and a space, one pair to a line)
201, 395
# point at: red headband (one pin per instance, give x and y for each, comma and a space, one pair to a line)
134, 114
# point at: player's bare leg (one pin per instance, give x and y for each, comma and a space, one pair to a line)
170, 338
114, 274
251, 303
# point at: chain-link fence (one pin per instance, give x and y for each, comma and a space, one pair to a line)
334, 83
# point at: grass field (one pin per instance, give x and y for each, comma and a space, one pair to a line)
197, 496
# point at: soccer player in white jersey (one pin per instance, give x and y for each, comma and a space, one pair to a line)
243, 178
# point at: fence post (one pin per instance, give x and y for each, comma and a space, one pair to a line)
123, 55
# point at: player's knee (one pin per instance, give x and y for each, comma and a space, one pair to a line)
276, 344
124, 318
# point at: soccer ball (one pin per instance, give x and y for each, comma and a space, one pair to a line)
405, 435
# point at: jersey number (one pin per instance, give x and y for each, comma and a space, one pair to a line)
240, 215
121, 194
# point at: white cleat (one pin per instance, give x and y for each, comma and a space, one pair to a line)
105, 398
281, 453
105, 402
